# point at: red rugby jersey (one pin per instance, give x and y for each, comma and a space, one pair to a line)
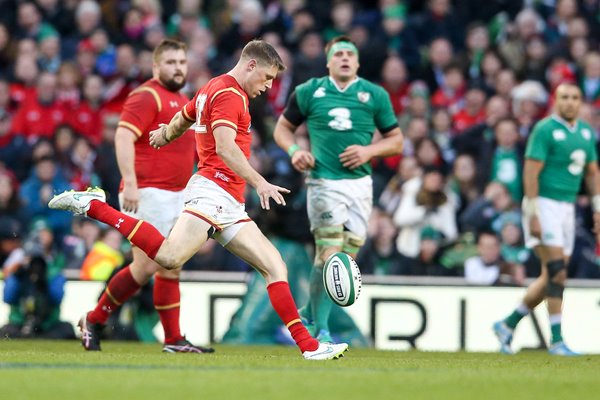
169, 167
221, 102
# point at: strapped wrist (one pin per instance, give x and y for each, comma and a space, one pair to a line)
293, 149
530, 207
164, 135
596, 203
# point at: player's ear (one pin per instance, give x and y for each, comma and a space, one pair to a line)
251, 64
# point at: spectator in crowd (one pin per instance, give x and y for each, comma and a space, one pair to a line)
394, 79
86, 116
477, 43
10, 202
463, 182
379, 255
104, 256
39, 115
488, 267
389, 199
475, 138
501, 160
472, 112
590, 78
39, 188
424, 203
440, 56
481, 213
33, 283
7, 51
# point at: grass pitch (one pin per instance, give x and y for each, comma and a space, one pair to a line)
62, 370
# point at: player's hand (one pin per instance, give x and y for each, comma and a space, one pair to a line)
157, 137
534, 227
267, 191
131, 198
597, 223
354, 156
303, 160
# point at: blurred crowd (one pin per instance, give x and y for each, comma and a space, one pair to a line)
467, 82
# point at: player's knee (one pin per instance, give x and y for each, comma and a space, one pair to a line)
352, 243
556, 278
170, 261
328, 240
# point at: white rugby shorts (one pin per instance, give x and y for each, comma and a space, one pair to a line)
208, 201
346, 202
159, 207
557, 220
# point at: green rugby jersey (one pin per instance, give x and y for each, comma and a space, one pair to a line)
565, 152
338, 118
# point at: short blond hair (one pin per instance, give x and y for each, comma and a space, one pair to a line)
263, 53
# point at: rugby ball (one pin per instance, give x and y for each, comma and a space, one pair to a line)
342, 279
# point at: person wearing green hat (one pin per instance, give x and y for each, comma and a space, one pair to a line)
342, 112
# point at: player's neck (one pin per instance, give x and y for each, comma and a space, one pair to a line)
237, 74
343, 84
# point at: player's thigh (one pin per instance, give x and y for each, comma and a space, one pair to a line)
568, 229
159, 207
327, 203
551, 216
185, 239
252, 246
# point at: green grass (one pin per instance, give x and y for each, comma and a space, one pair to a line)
62, 370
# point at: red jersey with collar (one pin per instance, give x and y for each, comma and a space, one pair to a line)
170, 167
221, 102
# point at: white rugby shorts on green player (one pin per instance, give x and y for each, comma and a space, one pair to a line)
159, 207
346, 202
208, 201
557, 220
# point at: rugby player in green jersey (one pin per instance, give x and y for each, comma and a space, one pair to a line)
561, 151
342, 113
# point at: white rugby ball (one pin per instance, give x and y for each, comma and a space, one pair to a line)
342, 279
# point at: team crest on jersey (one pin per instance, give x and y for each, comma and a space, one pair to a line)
363, 97
173, 104
320, 92
558, 134
587, 135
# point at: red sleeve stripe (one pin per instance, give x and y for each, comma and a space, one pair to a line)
128, 125
153, 92
220, 122
186, 116
230, 89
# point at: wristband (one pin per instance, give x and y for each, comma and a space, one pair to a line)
292, 149
530, 207
164, 135
596, 203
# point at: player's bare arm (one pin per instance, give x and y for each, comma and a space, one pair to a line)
592, 183
125, 151
165, 134
356, 155
284, 137
235, 159
531, 173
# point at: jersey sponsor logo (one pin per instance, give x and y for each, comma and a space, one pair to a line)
559, 134
363, 97
174, 104
320, 92
587, 135
341, 119
221, 176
